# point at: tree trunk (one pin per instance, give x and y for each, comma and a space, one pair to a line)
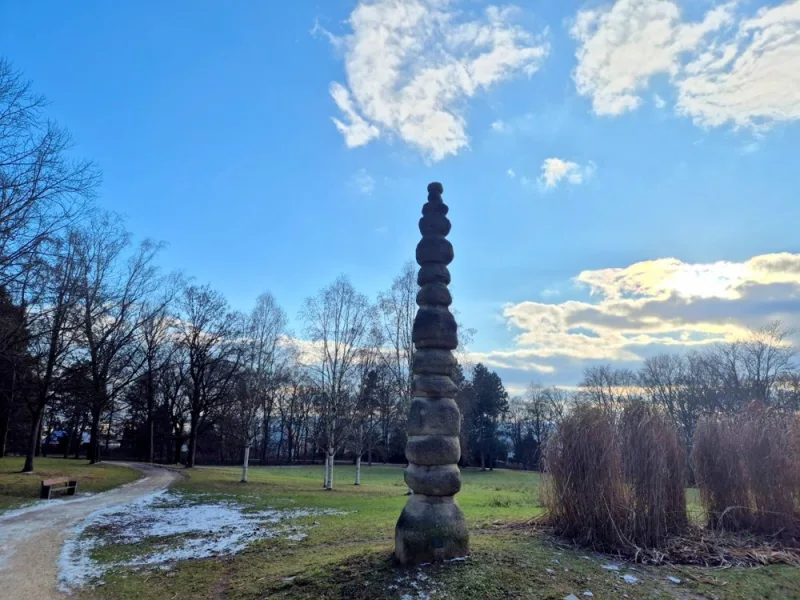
192, 456
327, 472
38, 450
358, 470
246, 461
79, 439
5, 419
178, 447
33, 441
94, 438
330, 468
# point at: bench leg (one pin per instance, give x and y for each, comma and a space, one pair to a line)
73, 487
45, 492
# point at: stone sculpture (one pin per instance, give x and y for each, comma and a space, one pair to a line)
432, 526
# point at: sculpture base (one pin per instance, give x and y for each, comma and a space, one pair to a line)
430, 529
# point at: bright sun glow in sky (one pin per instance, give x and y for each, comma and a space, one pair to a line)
621, 174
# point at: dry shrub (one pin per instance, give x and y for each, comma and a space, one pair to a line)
654, 470
720, 474
615, 487
584, 495
749, 471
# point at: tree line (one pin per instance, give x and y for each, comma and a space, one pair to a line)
103, 353
722, 379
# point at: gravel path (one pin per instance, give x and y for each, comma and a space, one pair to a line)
31, 538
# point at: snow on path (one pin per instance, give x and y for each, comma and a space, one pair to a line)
31, 538
164, 527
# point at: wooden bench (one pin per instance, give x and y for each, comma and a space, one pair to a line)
58, 484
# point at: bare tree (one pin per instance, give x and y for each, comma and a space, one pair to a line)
158, 351
115, 287
268, 356
397, 308
608, 387
210, 335
51, 294
42, 191
337, 323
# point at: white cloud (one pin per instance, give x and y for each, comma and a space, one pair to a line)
725, 68
411, 66
555, 170
511, 173
499, 127
658, 305
659, 101
363, 182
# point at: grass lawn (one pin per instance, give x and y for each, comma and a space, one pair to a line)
18, 489
349, 556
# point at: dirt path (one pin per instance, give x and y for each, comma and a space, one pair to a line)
31, 539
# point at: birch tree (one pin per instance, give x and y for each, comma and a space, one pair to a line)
337, 322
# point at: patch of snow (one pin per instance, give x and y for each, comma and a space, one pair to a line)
550, 571
588, 594
175, 529
611, 567
630, 578
457, 559
571, 597
673, 579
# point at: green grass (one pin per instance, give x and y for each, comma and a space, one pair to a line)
18, 489
350, 556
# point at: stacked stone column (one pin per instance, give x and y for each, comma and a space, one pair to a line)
432, 526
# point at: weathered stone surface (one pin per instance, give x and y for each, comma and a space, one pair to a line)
434, 206
434, 224
443, 480
433, 449
435, 187
435, 327
434, 250
434, 416
433, 274
435, 386
431, 528
433, 361
434, 294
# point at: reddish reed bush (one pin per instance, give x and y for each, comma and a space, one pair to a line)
720, 474
583, 494
748, 471
653, 462
615, 486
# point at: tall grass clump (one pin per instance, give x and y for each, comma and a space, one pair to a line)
748, 471
653, 461
615, 484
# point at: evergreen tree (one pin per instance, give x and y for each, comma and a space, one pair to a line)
490, 403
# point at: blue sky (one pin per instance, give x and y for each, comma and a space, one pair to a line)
621, 175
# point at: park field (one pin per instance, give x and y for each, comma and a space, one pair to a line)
18, 489
346, 548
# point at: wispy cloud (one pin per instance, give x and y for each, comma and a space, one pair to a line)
511, 173
410, 66
556, 170
362, 182
500, 127
726, 68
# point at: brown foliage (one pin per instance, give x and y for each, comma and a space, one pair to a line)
615, 486
654, 471
748, 471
